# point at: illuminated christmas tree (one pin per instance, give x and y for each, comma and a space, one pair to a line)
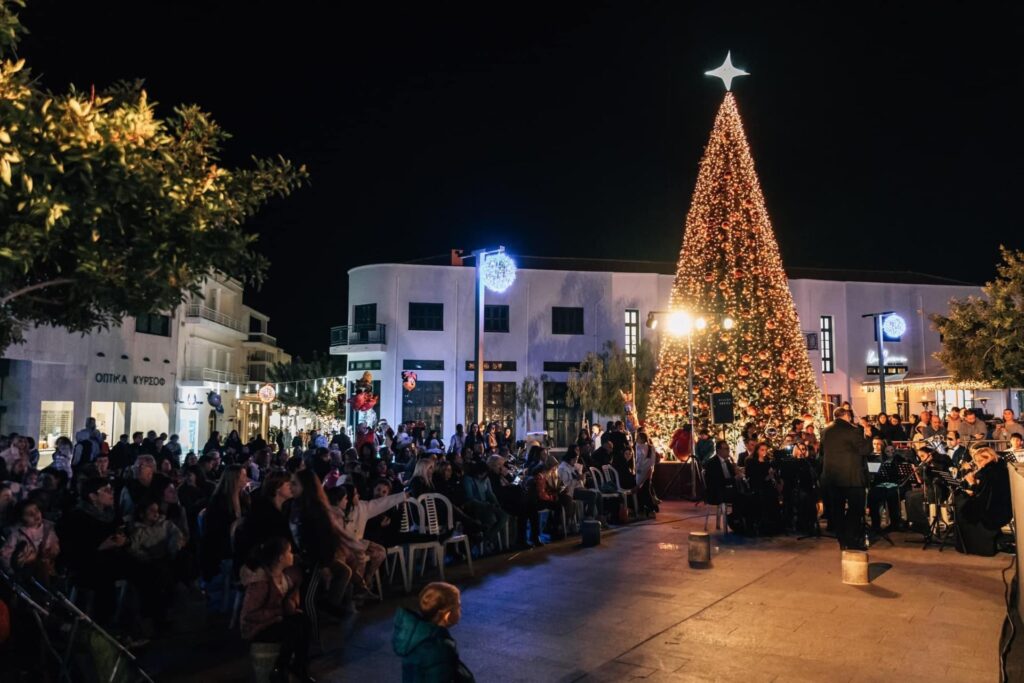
729, 268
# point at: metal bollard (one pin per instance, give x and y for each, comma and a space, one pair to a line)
700, 549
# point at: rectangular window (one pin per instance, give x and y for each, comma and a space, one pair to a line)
495, 318
55, 419
364, 315
566, 320
149, 416
828, 362
561, 365
422, 364
427, 317
494, 365
153, 323
363, 365
424, 404
812, 340
632, 343
255, 324
499, 403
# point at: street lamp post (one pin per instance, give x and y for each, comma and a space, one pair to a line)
494, 271
879, 320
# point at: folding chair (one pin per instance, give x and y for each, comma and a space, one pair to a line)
413, 517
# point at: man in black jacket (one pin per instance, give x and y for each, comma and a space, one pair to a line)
844, 450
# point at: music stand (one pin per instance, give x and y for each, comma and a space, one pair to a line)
935, 532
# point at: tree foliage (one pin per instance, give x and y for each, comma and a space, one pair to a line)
108, 210
601, 379
528, 398
983, 338
313, 385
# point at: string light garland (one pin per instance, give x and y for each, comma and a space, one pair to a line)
729, 267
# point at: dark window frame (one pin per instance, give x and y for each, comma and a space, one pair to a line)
496, 317
426, 316
828, 350
156, 324
568, 320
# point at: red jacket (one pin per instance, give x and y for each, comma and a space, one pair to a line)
264, 605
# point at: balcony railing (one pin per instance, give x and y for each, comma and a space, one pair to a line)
199, 311
262, 337
261, 357
212, 375
351, 335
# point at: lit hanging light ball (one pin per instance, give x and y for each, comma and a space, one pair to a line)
894, 325
498, 272
680, 323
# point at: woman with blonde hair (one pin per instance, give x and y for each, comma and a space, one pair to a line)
423, 641
228, 504
422, 478
983, 506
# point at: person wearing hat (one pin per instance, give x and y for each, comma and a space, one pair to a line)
94, 545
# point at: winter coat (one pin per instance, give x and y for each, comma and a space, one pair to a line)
364, 511
155, 541
428, 651
264, 604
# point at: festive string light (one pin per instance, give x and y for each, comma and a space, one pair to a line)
894, 326
730, 271
498, 272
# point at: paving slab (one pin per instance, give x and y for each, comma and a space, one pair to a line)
771, 609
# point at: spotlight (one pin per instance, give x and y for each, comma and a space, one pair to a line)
652, 321
728, 323
680, 323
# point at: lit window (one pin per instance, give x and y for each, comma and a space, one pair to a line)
828, 362
632, 344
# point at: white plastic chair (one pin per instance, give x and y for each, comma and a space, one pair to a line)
598, 480
434, 525
395, 553
611, 474
412, 516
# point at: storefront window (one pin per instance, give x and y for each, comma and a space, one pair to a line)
56, 418
150, 416
109, 418
499, 403
425, 404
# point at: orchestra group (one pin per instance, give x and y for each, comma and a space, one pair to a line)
943, 477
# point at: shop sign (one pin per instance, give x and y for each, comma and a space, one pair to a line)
118, 378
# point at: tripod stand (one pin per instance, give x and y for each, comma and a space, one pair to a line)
696, 474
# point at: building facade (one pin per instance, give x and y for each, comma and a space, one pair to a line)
155, 373
419, 318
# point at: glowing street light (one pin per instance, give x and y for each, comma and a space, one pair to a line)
680, 323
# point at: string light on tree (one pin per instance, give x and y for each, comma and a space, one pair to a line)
730, 270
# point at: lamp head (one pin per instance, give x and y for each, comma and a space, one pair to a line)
680, 323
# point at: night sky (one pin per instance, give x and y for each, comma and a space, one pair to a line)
884, 138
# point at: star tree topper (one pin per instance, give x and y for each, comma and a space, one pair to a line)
727, 71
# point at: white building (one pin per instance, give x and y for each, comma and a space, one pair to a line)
152, 373
420, 317
225, 350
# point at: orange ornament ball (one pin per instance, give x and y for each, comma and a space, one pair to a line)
762, 354
720, 378
746, 358
743, 370
766, 374
720, 356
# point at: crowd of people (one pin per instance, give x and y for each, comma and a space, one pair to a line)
905, 476
255, 525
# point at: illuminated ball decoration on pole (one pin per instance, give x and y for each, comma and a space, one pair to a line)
894, 326
730, 279
498, 272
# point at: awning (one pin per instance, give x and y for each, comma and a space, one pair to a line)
919, 382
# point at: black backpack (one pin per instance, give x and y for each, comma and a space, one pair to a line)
83, 453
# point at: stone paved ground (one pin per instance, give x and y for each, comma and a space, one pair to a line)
768, 610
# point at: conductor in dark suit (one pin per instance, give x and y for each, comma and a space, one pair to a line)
845, 449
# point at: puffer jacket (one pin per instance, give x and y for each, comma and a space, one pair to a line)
428, 651
264, 605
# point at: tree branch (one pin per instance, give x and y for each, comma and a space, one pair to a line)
31, 288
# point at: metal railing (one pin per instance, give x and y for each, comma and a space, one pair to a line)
207, 313
262, 337
261, 357
351, 335
212, 375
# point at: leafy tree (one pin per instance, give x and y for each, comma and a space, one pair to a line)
981, 337
598, 384
108, 210
528, 398
311, 385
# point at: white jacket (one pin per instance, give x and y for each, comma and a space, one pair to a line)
363, 511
